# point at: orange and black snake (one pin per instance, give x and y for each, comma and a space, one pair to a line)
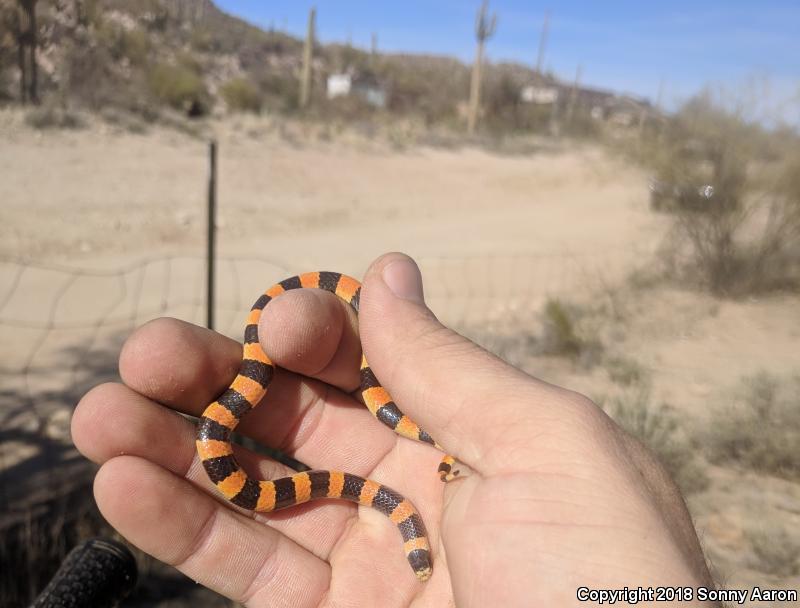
248, 388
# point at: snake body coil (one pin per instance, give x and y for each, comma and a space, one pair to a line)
248, 388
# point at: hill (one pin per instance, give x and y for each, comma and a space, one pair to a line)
146, 55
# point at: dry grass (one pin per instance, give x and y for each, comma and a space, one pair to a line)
51, 116
760, 429
33, 547
32, 550
658, 427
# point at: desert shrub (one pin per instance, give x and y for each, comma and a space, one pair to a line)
178, 86
89, 76
775, 550
563, 335
743, 239
504, 110
760, 429
241, 95
658, 427
427, 87
51, 116
560, 334
625, 371
281, 91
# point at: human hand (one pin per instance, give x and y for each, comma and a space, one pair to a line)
559, 497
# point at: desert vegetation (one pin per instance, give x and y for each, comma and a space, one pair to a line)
658, 426
741, 235
759, 428
164, 56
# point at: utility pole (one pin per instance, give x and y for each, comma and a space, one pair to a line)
573, 95
484, 29
659, 116
542, 43
308, 55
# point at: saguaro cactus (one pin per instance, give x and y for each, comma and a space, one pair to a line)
484, 29
308, 55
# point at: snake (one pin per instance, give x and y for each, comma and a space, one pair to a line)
249, 387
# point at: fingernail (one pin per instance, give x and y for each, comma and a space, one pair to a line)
404, 279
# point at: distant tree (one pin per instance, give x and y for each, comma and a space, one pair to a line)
484, 29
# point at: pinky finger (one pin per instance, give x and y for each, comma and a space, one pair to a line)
174, 521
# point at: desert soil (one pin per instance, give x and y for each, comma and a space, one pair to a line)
101, 229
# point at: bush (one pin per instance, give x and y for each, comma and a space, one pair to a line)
657, 427
281, 90
241, 96
743, 239
560, 335
775, 550
424, 86
180, 87
760, 430
563, 337
625, 371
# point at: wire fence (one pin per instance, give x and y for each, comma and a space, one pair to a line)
47, 310
62, 327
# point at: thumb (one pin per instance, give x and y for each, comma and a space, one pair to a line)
463, 396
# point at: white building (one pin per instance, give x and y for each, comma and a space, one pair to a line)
339, 85
541, 95
363, 85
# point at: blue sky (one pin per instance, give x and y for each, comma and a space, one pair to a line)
741, 47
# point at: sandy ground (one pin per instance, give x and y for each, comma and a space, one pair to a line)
110, 229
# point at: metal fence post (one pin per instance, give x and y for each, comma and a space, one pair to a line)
212, 233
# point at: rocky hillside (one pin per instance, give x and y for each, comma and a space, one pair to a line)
143, 56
